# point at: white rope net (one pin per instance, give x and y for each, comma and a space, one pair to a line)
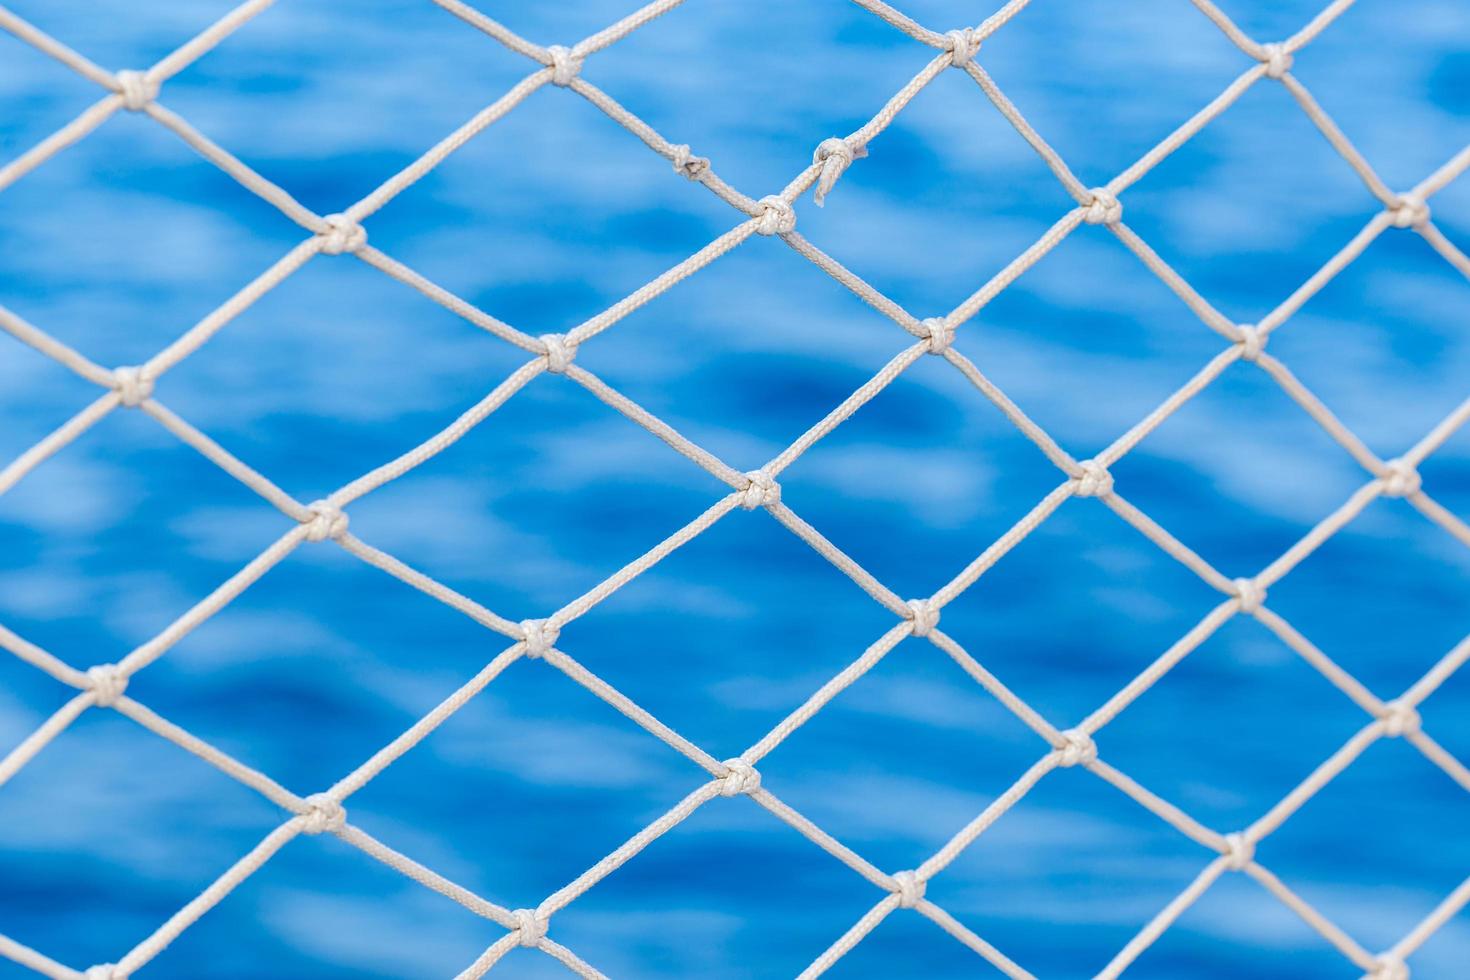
1223, 851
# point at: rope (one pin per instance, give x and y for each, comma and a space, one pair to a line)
326, 522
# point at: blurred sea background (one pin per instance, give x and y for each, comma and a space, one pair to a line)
122, 242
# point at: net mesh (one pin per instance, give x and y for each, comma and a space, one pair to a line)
104, 686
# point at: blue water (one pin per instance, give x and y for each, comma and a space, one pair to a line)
122, 242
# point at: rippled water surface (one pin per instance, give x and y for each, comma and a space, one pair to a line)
553, 214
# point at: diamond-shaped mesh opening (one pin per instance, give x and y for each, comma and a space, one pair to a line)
743, 371
1065, 856
1227, 930
860, 67
129, 238
93, 538
510, 654
551, 247
774, 899
395, 79
960, 476
559, 793
530, 481
1265, 477
893, 222
1077, 87
1228, 712
904, 758
763, 653
1356, 327
1407, 592
298, 389
1123, 601
347, 659
1088, 341
1242, 240
320, 908
1393, 883
96, 816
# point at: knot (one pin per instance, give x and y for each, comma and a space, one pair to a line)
963, 45
1240, 851
1094, 480
327, 521
762, 491
1276, 59
688, 164
136, 89
835, 156
559, 353
1409, 211
1078, 748
924, 615
106, 683
539, 636
1251, 341
1104, 208
530, 925
910, 888
342, 234
1389, 966
1399, 719
322, 814
776, 217
564, 65
740, 777
939, 333
132, 387
1400, 478
102, 971
1249, 594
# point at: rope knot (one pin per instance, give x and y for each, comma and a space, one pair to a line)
939, 333
924, 616
762, 491
1389, 966
1249, 593
1078, 749
1399, 719
910, 888
1252, 341
322, 814
102, 971
132, 387
559, 353
565, 65
1277, 59
136, 89
106, 683
539, 636
327, 521
776, 217
1400, 479
532, 927
963, 46
1094, 480
688, 164
1410, 211
342, 234
740, 777
835, 155
1240, 851
1104, 208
